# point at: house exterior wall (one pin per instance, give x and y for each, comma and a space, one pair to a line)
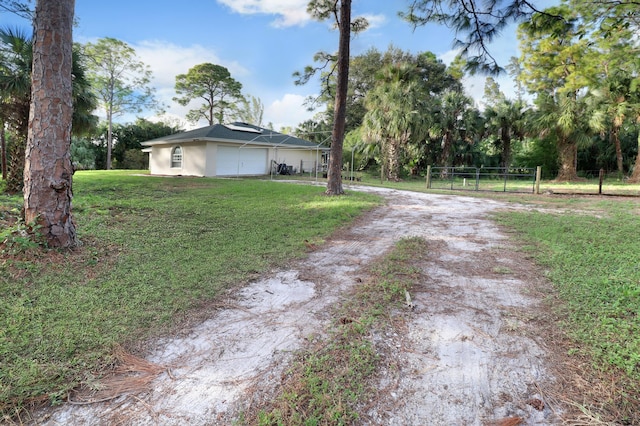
193, 160
200, 159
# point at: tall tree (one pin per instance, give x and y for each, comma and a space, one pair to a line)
121, 81
212, 84
48, 170
16, 59
396, 113
558, 69
252, 111
340, 10
505, 119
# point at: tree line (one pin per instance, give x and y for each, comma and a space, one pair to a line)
576, 109
109, 77
578, 64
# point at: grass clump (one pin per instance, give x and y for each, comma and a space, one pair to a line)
593, 262
333, 379
156, 253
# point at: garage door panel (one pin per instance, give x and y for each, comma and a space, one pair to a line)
232, 161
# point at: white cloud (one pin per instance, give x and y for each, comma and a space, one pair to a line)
288, 111
375, 21
289, 12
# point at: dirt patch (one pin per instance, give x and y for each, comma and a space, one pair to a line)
471, 352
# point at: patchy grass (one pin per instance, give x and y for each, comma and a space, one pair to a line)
591, 255
156, 251
330, 381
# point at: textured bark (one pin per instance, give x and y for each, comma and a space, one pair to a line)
615, 136
48, 170
635, 176
3, 151
334, 183
568, 154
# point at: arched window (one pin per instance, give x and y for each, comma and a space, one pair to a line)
176, 157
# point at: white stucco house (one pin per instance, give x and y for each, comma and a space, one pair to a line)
237, 149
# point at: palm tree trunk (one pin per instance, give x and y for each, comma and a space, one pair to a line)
3, 150
635, 176
615, 136
48, 170
567, 153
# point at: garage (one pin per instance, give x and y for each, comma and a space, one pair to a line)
234, 161
234, 149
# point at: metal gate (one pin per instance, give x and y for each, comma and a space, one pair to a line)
497, 179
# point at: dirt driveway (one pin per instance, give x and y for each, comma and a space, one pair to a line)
468, 354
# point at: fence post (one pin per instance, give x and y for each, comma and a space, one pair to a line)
428, 177
506, 177
600, 179
452, 178
538, 176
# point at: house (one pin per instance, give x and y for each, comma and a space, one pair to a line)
237, 149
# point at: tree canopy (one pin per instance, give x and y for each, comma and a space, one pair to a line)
120, 80
213, 86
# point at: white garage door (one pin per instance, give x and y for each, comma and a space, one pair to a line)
232, 161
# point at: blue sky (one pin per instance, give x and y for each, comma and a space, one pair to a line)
261, 42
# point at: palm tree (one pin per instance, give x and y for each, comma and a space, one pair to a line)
16, 57
395, 114
563, 117
453, 113
15, 96
505, 119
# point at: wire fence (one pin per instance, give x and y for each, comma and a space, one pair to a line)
496, 179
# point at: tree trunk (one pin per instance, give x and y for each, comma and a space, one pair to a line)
615, 135
48, 171
3, 151
334, 183
505, 136
635, 176
393, 169
567, 153
109, 136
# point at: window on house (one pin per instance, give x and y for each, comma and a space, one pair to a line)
176, 157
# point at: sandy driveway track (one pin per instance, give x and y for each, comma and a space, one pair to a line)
466, 354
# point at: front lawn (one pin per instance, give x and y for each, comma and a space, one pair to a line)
157, 252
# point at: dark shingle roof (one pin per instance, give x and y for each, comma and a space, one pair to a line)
242, 133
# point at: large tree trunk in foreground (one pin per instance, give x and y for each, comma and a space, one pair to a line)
48, 170
334, 184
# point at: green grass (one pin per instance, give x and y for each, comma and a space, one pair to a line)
592, 257
330, 380
156, 251
525, 186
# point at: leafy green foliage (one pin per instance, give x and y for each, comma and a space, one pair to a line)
155, 251
213, 84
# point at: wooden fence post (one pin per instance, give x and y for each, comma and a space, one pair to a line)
600, 179
538, 176
428, 177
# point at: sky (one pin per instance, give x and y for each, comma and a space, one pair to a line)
261, 42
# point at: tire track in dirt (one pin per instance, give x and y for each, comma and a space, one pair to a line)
456, 365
